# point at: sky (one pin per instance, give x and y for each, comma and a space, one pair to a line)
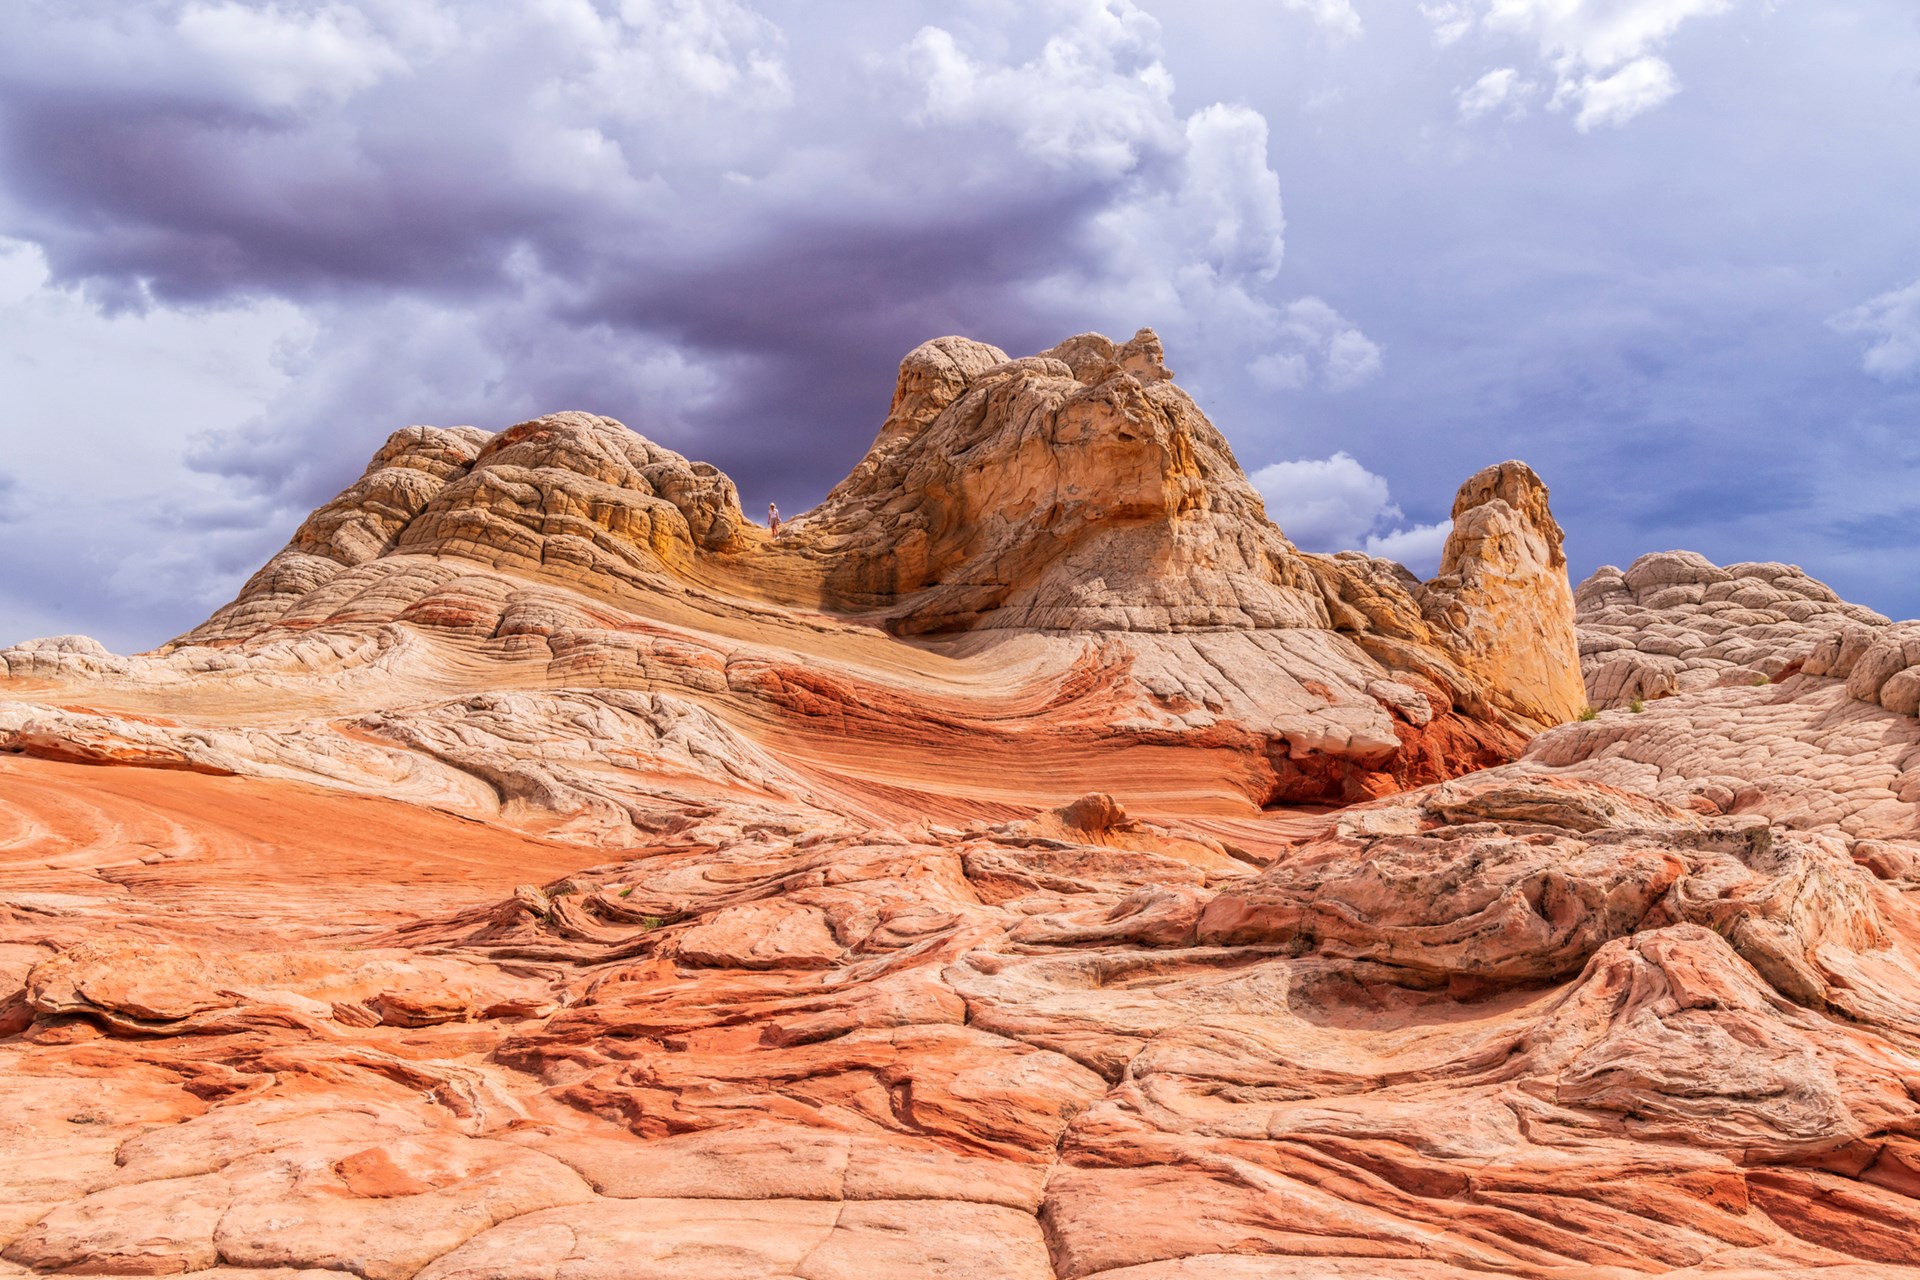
1666, 251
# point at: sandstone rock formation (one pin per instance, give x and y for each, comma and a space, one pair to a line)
541, 870
1674, 622
1079, 489
1086, 560
1502, 590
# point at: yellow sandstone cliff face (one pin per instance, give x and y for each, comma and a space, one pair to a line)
1502, 597
1079, 489
541, 870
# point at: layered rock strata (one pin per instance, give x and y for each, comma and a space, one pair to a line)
1069, 539
1675, 622
540, 870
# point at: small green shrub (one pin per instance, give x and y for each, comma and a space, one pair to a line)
1760, 680
1588, 713
651, 922
1636, 706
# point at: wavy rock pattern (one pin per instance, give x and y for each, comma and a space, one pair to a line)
541, 870
1676, 622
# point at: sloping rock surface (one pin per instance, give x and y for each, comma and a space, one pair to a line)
541, 870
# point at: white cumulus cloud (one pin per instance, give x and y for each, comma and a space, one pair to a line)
1315, 343
1500, 87
1203, 232
1095, 98
1599, 34
1196, 229
1326, 503
1892, 324
1451, 20
1336, 17
1641, 85
648, 59
1417, 546
282, 58
1336, 504
1604, 54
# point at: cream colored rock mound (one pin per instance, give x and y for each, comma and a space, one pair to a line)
571, 496
1082, 490
1674, 622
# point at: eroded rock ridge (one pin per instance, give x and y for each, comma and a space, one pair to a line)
543, 870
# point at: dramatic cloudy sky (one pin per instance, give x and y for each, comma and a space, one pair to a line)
1668, 251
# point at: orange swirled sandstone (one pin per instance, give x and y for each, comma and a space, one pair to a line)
541, 870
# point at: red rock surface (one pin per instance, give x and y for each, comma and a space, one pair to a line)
540, 871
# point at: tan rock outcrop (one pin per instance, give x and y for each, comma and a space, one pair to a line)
1074, 539
1501, 596
1880, 665
540, 870
1675, 622
571, 496
1079, 489
364, 523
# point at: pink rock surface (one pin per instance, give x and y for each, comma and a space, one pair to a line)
541, 871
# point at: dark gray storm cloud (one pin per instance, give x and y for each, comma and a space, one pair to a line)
744, 235
1658, 247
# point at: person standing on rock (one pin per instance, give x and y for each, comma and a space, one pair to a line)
773, 519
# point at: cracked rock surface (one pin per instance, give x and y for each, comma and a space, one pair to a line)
1026, 865
1675, 622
